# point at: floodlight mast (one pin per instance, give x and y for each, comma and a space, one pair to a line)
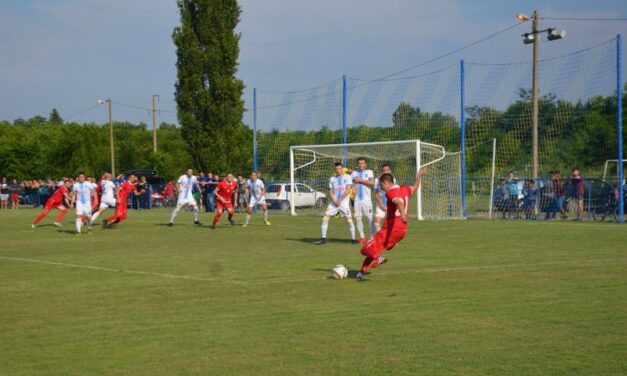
532, 38
102, 101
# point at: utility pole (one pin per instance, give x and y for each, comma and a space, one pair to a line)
111, 137
155, 98
534, 98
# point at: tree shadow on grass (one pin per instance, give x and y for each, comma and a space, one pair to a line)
313, 240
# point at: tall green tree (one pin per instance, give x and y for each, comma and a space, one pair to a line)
55, 117
208, 94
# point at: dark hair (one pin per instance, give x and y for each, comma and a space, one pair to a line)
337, 164
386, 177
361, 159
385, 165
80, 173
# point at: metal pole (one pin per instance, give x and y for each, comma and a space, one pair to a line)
492, 178
619, 113
255, 129
111, 137
534, 98
154, 123
344, 140
462, 123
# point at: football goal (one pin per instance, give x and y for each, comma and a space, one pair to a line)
439, 196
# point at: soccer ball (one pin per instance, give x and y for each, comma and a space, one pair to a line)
339, 272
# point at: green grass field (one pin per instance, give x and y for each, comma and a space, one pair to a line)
460, 297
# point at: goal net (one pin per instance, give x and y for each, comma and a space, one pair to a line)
439, 196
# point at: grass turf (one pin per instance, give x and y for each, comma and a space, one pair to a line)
458, 297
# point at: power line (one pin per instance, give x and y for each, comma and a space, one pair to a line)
583, 19
82, 112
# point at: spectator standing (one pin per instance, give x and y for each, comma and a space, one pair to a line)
558, 189
579, 189
214, 180
168, 193
242, 194
140, 189
529, 194
203, 182
15, 189
4, 193
512, 187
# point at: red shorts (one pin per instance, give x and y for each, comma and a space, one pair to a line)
15, 197
53, 205
228, 205
383, 240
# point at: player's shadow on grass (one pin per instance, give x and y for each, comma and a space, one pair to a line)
313, 240
70, 232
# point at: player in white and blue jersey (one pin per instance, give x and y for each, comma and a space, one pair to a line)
82, 194
379, 196
340, 187
107, 200
257, 191
185, 185
363, 198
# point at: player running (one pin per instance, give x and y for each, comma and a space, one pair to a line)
340, 187
226, 197
60, 199
257, 197
107, 200
395, 226
363, 200
186, 184
379, 196
121, 208
82, 194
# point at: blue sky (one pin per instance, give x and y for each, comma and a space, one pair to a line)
69, 53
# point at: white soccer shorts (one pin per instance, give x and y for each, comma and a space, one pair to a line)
254, 201
363, 208
106, 202
186, 201
343, 209
83, 209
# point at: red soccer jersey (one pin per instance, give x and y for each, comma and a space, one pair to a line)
125, 189
226, 189
59, 194
402, 192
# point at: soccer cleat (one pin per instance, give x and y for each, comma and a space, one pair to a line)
197, 223
245, 225
267, 223
105, 224
362, 240
359, 276
58, 224
232, 222
213, 227
170, 224
353, 241
321, 241
33, 225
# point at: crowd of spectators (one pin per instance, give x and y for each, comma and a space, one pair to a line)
555, 196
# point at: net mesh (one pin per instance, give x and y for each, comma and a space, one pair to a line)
440, 193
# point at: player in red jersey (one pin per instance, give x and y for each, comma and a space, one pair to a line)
395, 226
224, 194
60, 197
120, 204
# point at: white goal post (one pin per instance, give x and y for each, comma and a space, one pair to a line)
438, 197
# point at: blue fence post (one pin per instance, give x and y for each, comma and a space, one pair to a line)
345, 133
462, 126
589, 199
254, 129
619, 111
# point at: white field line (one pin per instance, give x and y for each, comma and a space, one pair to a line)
279, 280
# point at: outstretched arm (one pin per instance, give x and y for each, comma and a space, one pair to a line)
416, 185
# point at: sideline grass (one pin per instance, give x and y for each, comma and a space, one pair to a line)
463, 297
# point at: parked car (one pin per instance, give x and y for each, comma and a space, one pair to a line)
278, 195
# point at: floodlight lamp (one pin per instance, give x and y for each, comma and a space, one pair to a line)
101, 101
521, 17
528, 38
556, 34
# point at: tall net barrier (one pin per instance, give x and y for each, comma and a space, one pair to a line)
490, 104
439, 196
